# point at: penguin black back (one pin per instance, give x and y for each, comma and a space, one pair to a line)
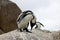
25, 13
28, 12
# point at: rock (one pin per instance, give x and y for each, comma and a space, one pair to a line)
56, 35
1, 32
9, 12
35, 35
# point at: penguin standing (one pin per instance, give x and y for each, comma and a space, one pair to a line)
24, 19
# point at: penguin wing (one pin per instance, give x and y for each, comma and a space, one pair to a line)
42, 24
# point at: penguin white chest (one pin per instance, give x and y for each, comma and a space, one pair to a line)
24, 22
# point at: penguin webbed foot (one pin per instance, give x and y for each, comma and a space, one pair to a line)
21, 30
27, 30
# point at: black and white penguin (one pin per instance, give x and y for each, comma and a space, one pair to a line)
38, 25
24, 19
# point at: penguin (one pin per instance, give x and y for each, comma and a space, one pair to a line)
23, 14
24, 19
38, 25
33, 22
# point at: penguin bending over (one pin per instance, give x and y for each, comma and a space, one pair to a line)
24, 19
38, 25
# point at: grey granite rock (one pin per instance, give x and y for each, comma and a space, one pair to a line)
35, 35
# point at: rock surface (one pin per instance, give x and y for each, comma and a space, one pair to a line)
56, 35
35, 35
9, 12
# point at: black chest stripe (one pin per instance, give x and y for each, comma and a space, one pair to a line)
21, 17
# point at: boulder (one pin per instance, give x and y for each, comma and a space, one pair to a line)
9, 12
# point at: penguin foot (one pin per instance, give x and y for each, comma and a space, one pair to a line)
27, 30
21, 30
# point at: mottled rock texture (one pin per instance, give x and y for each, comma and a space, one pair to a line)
56, 35
35, 35
9, 12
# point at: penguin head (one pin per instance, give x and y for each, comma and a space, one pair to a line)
38, 25
28, 12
